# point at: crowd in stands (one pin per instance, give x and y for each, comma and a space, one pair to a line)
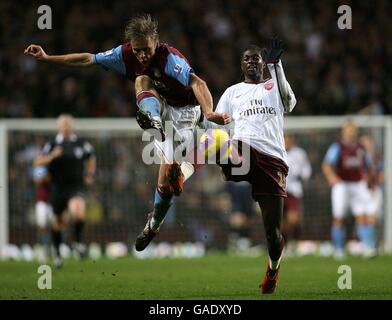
332, 71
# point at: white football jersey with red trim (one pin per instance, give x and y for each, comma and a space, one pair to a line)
257, 110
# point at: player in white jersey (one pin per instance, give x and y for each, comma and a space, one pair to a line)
257, 108
300, 170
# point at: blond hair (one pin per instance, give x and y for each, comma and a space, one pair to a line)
141, 26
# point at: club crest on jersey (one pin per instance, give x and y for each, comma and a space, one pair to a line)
78, 152
269, 86
108, 53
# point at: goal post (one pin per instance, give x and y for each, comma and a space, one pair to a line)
298, 124
388, 186
4, 237
313, 133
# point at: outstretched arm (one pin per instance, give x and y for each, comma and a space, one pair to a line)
72, 59
46, 159
286, 93
272, 58
203, 96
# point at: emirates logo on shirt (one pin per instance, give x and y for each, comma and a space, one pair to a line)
269, 86
257, 110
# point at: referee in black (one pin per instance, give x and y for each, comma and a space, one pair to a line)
71, 162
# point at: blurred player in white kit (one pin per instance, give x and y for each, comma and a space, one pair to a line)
375, 178
300, 171
43, 209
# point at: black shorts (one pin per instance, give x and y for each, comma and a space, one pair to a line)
60, 196
267, 174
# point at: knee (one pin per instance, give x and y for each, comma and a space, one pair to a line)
59, 222
273, 235
77, 207
164, 189
361, 219
143, 82
293, 218
337, 222
371, 220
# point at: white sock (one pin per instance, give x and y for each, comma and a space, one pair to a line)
274, 265
157, 118
155, 225
187, 170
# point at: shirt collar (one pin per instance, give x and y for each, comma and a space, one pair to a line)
60, 138
254, 82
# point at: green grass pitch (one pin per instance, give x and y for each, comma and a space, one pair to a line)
211, 277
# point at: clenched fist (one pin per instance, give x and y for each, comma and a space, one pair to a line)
36, 52
219, 118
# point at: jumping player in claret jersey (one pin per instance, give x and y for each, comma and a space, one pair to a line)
344, 166
257, 108
167, 90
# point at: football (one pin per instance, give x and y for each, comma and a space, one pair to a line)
215, 145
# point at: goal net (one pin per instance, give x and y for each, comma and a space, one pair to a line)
122, 195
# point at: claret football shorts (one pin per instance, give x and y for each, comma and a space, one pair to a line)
266, 174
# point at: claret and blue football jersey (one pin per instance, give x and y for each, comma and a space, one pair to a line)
169, 70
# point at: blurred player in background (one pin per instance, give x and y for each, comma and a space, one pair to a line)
71, 163
300, 170
375, 179
241, 213
257, 108
344, 166
167, 90
43, 209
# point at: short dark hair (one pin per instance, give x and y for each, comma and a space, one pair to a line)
141, 26
253, 47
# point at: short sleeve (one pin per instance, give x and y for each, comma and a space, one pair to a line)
111, 60
88, 149
224, 104
332, 155
178, 68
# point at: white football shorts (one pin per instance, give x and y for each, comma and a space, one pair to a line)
43, 214
179, 124
350, 195
375, 204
